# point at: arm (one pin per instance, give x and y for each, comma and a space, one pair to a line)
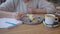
48, 7
39, 11
36, 11
43, 7
7, 8
5, 14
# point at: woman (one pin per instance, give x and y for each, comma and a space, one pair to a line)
13, 7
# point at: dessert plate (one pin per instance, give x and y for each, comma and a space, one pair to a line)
36, 20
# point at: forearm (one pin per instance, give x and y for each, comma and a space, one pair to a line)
6, 14
40, 11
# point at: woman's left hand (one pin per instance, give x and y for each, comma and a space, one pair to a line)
38, 11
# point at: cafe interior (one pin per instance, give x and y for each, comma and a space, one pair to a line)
33, 23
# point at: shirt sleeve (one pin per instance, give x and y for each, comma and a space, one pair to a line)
7, 6
49, 7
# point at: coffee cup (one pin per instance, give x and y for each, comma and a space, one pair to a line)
51, 20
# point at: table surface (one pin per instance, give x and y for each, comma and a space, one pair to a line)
31, 29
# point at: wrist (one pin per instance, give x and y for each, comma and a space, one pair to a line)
41, 11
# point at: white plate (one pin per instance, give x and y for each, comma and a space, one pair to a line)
26, 21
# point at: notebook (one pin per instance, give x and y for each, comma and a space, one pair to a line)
9, 22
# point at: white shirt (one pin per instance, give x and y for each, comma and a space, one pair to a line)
19, 5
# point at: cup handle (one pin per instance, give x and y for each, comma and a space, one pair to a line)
56, 19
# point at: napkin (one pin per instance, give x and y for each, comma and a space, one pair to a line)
9, 22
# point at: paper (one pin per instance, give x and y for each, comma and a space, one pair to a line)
8, 22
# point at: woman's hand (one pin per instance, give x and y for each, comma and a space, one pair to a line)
15, 15
32, 10
4, 14
19, 16
38, 11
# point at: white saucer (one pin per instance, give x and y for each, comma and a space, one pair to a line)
50, 25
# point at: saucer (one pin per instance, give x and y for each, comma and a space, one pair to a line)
27, 21
50, 25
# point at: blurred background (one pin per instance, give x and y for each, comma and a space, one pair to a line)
56, 2
1, 1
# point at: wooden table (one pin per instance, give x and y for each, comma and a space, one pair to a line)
31, 29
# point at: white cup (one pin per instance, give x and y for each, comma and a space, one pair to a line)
50, 19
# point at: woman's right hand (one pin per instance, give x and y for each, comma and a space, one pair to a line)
15, 15
19, 16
